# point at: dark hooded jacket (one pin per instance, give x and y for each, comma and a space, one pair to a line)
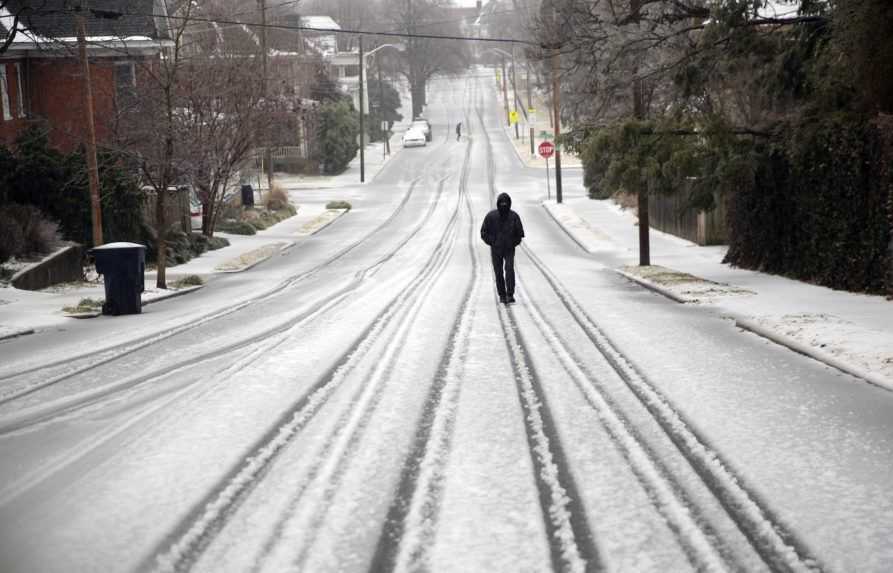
502, 228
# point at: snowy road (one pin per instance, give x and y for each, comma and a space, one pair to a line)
363, 403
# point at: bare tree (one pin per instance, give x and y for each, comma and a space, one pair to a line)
226, 113
423, 58
151, 126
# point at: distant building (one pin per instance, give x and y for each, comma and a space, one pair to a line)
324, 43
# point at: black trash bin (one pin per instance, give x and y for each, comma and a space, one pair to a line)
122, 266
247, 196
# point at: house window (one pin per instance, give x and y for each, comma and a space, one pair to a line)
4, 94
125, 78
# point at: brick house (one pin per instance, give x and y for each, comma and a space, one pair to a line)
40, 74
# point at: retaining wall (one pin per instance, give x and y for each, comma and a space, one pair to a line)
63, 266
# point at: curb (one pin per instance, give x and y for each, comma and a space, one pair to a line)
751, 326
566, 231
810, 352
253, 264
174, 294
10, 336
654, 287
342, 212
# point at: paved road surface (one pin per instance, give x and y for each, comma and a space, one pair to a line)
363, 403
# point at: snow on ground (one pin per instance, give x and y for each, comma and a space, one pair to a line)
25, 311
851, 327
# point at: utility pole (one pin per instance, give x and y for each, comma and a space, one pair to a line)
92, 168
505, 93
556, 105
385, 131
362, 122
643, 192
515, 91
268, 153
529, 107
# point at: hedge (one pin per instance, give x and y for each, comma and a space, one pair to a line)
819, 206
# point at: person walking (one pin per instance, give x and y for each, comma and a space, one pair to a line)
503, 231
458, 131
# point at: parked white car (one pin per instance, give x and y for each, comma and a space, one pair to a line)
423, 125
414, 138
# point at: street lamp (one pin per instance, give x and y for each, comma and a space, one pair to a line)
363, 96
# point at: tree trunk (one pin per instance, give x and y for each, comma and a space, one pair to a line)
207, 219
417, 89
161, 241
639, 113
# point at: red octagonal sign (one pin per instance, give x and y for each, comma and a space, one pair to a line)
546, 149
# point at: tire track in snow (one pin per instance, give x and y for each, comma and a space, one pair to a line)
571, 543
780, 549
316, 497
694, 535
330, 479
109, 354
411, 520
186, 543
28, 417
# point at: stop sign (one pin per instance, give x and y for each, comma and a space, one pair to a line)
546, 149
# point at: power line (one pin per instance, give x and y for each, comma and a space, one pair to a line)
327, 30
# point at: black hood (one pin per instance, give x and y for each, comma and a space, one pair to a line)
503, 203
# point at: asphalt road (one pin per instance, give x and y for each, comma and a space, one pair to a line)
364, 403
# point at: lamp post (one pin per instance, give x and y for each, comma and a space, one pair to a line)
362, 88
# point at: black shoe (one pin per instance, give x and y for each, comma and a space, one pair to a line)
510, 299
503, 300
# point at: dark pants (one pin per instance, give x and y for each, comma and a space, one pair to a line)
505, 284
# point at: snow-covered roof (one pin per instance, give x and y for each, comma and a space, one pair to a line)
118, 18
321, 22
780, 9
134, 24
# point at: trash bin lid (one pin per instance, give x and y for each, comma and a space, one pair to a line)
120, 245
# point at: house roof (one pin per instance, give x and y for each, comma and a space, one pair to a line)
321, 22
104, 18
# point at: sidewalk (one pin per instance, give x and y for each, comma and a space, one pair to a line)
542, 128
848, 331
25, 312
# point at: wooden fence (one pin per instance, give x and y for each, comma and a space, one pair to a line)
671, 214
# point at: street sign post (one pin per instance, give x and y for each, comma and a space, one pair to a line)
513, 117
547, 149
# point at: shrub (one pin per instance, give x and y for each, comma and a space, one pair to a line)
338, 205
815, 209
277, 199
338, 131
85, 305
33, 173
236, 228
38, 234
188, 281
12, 241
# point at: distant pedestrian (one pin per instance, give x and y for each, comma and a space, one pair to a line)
503, 231
458, 131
